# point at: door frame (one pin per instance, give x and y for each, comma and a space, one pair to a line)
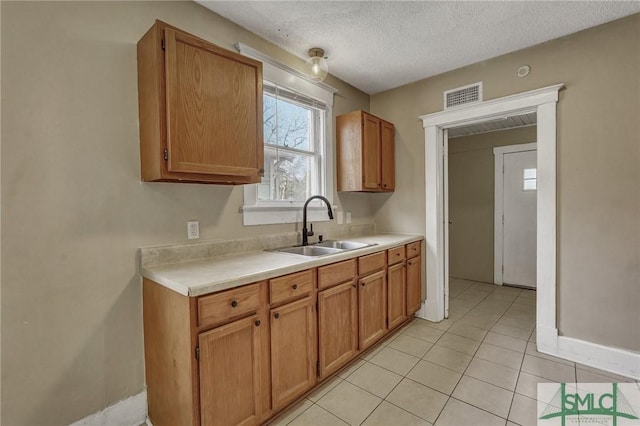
544, 102
498, 209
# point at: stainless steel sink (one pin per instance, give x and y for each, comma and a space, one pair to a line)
312, 251
344, 245
324, 248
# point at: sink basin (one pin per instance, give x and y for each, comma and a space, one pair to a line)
344, 245
324, 248
312, 251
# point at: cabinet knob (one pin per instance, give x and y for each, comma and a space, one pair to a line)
385, 185
276, 315
234, 304
354, 286
362, 284
257, 323
295, 286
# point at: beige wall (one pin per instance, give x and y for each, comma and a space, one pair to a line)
598, 167
74, 210
471, 200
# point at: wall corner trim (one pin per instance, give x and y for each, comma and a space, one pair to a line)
131, 411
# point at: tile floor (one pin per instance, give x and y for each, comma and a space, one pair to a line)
479, 367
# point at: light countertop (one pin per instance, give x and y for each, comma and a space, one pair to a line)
199, 277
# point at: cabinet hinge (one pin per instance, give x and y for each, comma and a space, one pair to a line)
316, 306
163, 45
166, 154
198, 353
318, 368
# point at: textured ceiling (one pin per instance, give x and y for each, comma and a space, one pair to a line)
379, 45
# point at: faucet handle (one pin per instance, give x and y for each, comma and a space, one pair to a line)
310, 231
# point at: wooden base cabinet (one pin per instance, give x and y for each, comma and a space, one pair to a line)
230, 372
293, 351
337, 327
414, 284
240, 356
396, 294
372, 308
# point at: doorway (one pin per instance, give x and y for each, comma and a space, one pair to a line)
543, 102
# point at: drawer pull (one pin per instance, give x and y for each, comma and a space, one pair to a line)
295, 286
257, 323
234, 304
397, 254
276, 315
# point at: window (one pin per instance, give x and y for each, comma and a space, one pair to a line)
298, 151
294, 142
529, 180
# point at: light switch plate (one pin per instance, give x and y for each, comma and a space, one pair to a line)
193, 229
340, 217
348, 217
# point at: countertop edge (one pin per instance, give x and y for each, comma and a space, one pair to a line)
302, 263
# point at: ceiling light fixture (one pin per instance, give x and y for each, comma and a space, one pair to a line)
316, 67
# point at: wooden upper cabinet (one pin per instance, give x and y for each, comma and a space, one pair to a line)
200, 110
371, 174
387, 144
365, 153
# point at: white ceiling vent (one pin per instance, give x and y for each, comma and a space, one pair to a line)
463, 95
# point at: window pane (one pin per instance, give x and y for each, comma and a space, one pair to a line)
287, 124
287, 176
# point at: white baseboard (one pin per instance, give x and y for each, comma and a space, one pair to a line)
614, 360
429, 311
128, 412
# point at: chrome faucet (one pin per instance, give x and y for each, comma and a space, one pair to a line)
305, 233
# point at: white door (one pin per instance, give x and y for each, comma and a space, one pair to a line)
519, 224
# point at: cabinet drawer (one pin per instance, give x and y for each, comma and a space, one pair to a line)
218, 307
291, 286
371, 262
396, 255
337, 273
413, 249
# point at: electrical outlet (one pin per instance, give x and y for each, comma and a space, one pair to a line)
193, 229
340, 217
348, 217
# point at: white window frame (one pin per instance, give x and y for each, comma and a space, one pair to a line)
255, 212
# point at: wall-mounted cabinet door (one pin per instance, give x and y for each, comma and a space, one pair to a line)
337, 326
230, 380
372, 308
387, 143
371, 152
212, 109
414, 285
293, 350
396, 294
